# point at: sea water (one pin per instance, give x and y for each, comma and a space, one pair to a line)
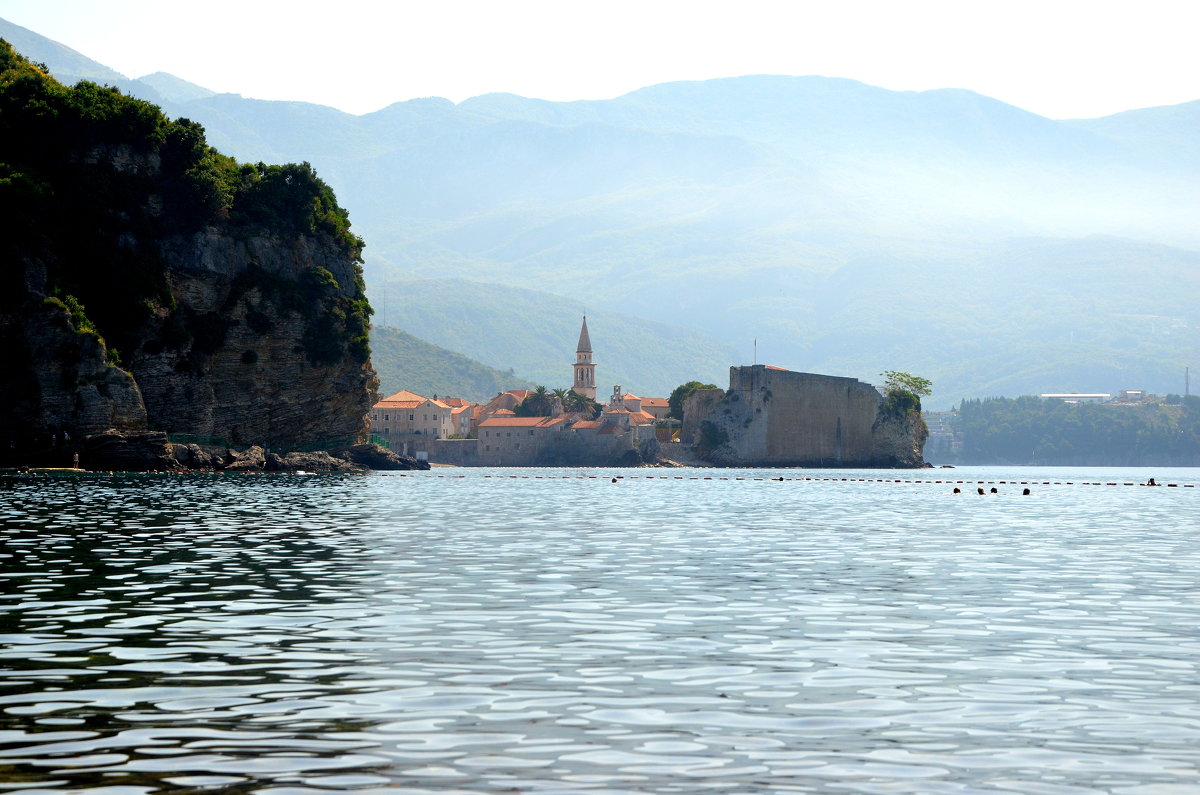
554, 631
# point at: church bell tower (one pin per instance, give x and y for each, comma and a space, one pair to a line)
585, 371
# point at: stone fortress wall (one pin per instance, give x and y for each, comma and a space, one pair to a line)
775, 417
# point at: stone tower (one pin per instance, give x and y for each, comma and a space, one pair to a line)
585, 371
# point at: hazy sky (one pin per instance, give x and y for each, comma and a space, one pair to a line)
1059, 58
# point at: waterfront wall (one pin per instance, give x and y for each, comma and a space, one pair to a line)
774, 417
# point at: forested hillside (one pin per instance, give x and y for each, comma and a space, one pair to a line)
1032, 430
406, 362
150, 282
535, 333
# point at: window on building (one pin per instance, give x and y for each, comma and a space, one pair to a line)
411, 417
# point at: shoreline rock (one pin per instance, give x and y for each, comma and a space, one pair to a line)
150, 451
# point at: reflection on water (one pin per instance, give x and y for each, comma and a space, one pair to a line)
468, 631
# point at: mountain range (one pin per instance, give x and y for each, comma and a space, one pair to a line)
818, 224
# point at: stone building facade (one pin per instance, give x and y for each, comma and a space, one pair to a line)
410, 422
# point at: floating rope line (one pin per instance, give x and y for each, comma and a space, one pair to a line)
614, 479
780, 479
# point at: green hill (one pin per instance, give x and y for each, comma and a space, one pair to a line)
150, 282
535, 333
406, 362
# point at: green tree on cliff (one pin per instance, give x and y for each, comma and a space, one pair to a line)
897, 380
902, 392
680, 394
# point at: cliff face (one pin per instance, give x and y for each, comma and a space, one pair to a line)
58, 380
251, 369
149, 282
900, 436
774, 417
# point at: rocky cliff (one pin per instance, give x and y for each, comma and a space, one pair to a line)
148, 282
775, 417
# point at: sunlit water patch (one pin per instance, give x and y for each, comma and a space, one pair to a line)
554, 631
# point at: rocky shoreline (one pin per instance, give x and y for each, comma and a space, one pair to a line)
150, 451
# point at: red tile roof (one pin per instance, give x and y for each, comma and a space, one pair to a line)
407, 400
655, 402
397, 404
521, 422
405, 395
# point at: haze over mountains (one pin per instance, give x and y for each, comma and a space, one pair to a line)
846, 228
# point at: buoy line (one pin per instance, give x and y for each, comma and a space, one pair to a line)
618, 478
779, 479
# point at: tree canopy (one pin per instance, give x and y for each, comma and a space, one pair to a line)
902, 393
680, 394
897, 380
91, 179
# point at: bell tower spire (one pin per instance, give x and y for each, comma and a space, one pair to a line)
585, 370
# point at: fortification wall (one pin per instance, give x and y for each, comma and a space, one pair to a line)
780, 417
696, 407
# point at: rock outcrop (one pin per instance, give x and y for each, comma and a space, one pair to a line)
148, 283
58, 379
146, 451
149, 451
372, 456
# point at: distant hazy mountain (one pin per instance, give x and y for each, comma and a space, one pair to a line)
407, 362
172, 88
1163, 137
65, 64
849, 229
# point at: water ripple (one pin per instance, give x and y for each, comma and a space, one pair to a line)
547, 634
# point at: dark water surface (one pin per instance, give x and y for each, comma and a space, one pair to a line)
468, 631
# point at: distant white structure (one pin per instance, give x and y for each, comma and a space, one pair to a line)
1079, 397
